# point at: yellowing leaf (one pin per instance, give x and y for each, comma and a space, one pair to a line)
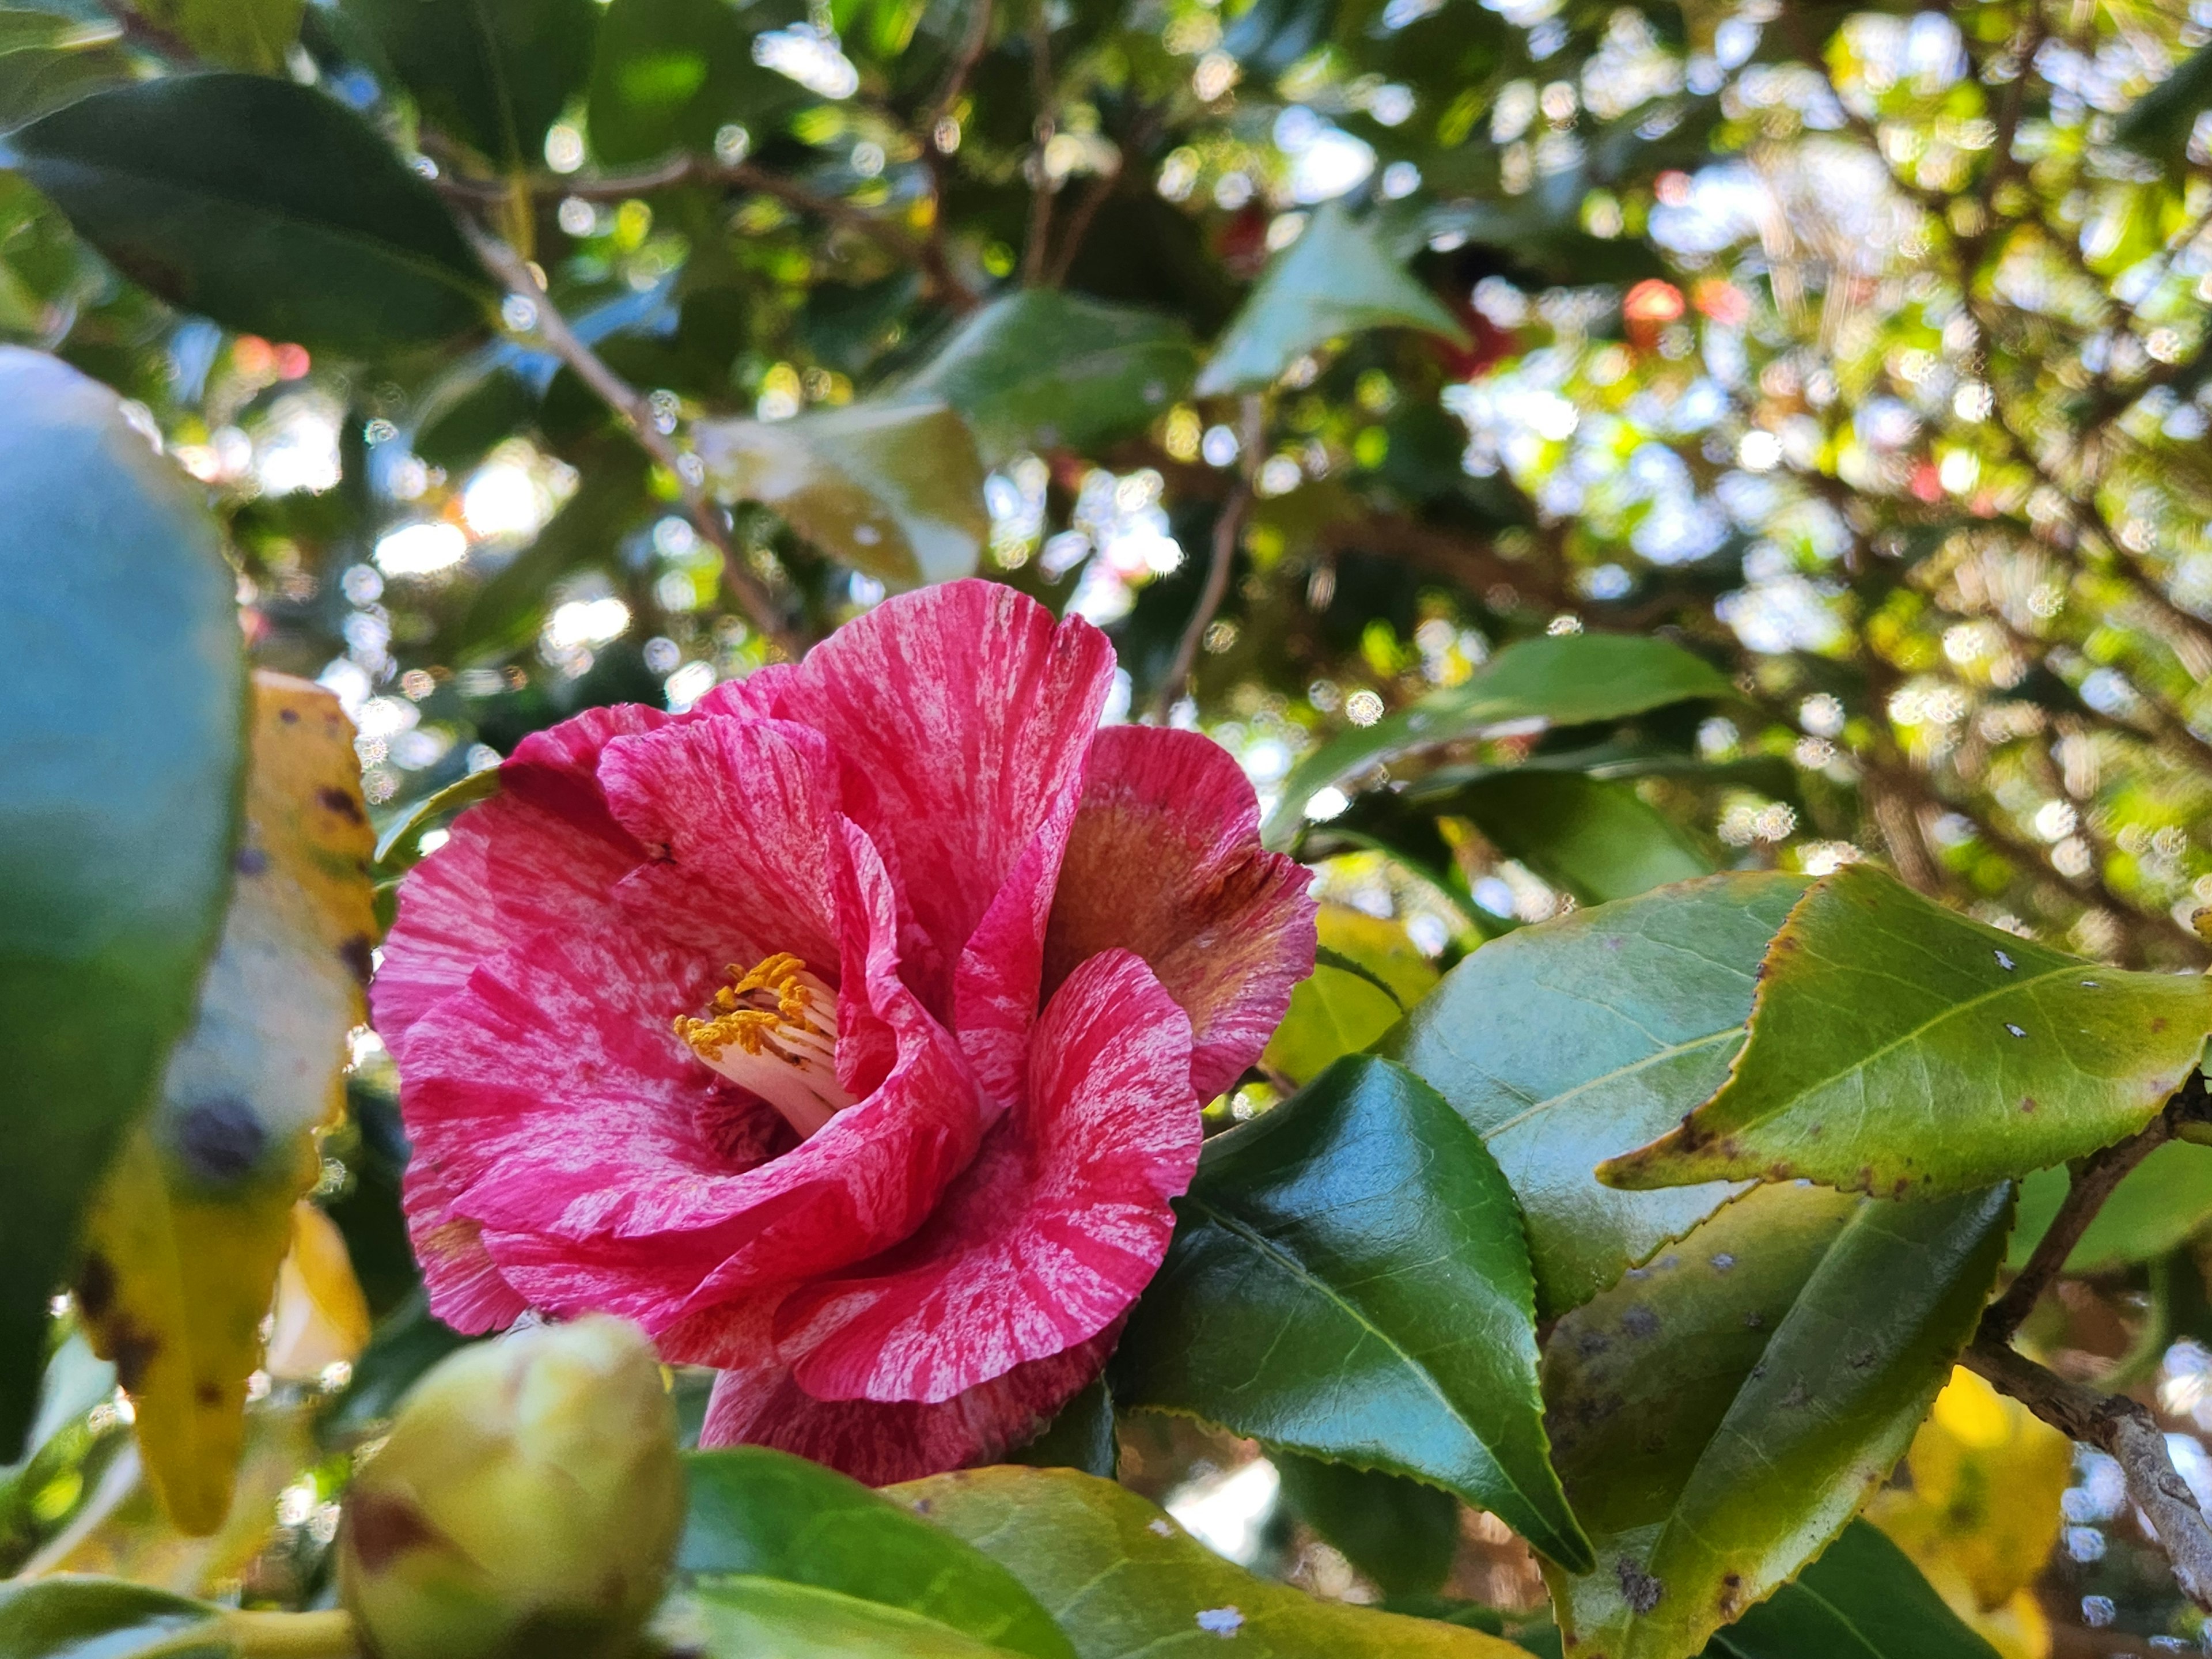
321, 1317
185, 1240
1336, 1013
1981, 1510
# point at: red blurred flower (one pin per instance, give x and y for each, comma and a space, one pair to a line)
900, 1169
1648, 308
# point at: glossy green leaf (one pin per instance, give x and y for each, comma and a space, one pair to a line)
491, 73
1569, 1042
1366, 976
1044, 370
1564, 679
1896, 1046
122, 707
2166, 1202
1123, 1580
265, 205
1722, 1413
1600, 841
1338, 278
1348, 1280
46, 60
106, 1619
771, 1516
247, 34
1863, 1599
893, 489
750, 1618
672, 74
1401, 1533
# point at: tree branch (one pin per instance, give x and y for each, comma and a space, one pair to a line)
1040, 186
509, 270
1228, 526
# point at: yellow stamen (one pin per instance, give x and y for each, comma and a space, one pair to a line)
773, 1030
740, 1015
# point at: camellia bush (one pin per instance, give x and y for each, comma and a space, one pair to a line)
1072, 828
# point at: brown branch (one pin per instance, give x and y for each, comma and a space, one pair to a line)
1078, 224
2129, 1435
509, 270
1040, 185
972, 47
1228, 526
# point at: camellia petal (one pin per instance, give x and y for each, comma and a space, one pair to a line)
1048, 1236
1165, 860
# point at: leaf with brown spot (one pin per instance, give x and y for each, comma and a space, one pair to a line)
187, 1235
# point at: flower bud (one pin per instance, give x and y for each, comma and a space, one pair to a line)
527, 1506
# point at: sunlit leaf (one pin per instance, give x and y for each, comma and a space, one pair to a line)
1336, 279
1720, 1414
1339, 1012
1348, 1278
187, 1235
1124, 1580
121, 693
1897, 1046
893, 490
321, 1317
742, 1617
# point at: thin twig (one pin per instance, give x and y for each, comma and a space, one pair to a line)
2094, 1179
2129, 1435
972, 47
1040, 185
509, 270
1228, 527
1078, 224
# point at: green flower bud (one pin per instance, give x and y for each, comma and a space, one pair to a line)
527, 1506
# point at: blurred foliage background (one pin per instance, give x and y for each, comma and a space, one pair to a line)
545, 352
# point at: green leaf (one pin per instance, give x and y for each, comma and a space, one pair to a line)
1722, 1413
265, 206
748, 1618
1599, 841
1336, 279
399, 848
1042, 369
1863, 1599
491, 73
1082, 1437
893, 490
1124, 1580
2166, 1202
1366, 974
1569, 1042
106, 1619
1897, 1046
771, 1516
671, 74
1348, 1280
122, 703
1400, 1533
1564, 679
2158, 124
46, 60
247, 34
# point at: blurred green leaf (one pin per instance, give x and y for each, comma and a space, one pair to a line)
750, 1618
1565, 679
46, 60
1400, 1533
122, 698
1567, 1042
2158, 124
2166, 1202
1599, 841
1336, 279
672, 74
1348, 1280
247, 34
1720, 1414
265, 205
1862, 1597
106, 1619
1899, 1045
1124, 1580
892, 490
771, 1516
491, 73
1042, 369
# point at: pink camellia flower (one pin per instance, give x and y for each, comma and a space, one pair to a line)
849, 1032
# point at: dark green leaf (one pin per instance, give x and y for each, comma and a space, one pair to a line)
748, 1618
1862, 1600
2158, 124
106, 1619
247, 34
1897, 1046
671, 74
1722, 1412
265, 205
409, 1342
1400, 1533
1044, 369
1348, 1280
491, 73
2164, 1203
1567, 1043
772, 1515
1336, 279
1599, 841
122, 709
1082, 1437
1565, 679
1125, 1581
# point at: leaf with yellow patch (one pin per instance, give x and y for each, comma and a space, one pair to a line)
1339, 1012
321, 1317
185, 1240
